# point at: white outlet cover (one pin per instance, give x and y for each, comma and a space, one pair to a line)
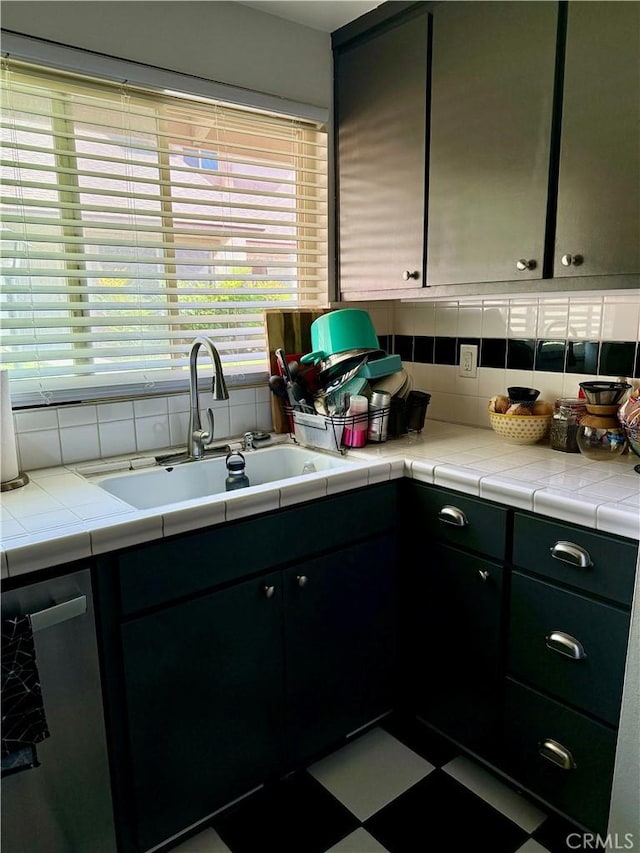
468, 367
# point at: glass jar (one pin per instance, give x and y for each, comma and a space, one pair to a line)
601, 438
565, 424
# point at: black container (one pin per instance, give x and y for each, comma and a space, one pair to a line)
397, 417
417, 402
407, 415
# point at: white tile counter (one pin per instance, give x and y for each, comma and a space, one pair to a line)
61, 516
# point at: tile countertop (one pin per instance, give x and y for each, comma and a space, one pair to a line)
61, 516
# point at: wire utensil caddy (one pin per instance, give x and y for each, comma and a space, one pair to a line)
324, 432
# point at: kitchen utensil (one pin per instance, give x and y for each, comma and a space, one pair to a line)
342, 379
601, 438
337, 365
338, 331
283, 364
379, 404
522, 396
604, 393
600, 435
392, 383
278, 386
382, 366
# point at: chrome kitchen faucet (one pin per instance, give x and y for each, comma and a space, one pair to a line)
198, 438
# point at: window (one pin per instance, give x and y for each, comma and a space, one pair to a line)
132, 222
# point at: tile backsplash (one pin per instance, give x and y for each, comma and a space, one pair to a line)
64, 435
550, 343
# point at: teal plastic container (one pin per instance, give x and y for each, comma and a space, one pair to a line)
339, 331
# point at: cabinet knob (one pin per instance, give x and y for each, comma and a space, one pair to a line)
572, 260
269, 591
302, 580
557, 754
567, 552
565, 644
407, 274
483, 574
453, 516
524, 264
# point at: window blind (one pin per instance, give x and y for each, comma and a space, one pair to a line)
132, 222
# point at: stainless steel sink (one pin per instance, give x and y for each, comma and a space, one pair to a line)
206, 478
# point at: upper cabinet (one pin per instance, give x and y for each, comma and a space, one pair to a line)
381, 113
491, 115
598, 226
514, 125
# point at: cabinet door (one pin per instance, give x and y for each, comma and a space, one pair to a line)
381, 96
204, 685
599, 181
340, 615
453, 654
491, 109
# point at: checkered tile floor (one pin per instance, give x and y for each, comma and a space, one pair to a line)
398, 787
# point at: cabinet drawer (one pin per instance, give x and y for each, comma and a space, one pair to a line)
535, 724
451, 517
597, 563
156, 574
568, 645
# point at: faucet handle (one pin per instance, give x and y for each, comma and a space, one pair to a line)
207, 435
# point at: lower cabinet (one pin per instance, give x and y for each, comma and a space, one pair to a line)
514, 640
571, 591
203, 683
217, 691
452, 588
228, 664
340, 646
456, 643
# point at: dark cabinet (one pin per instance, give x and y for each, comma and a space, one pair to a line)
204, 693
525, 166
456, 643
381, 115
236, 653
340, 644
598, 222
491, 113
454, 603
571, 590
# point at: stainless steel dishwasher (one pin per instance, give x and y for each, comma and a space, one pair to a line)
63, 805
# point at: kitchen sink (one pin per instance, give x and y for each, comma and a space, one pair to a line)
206, 478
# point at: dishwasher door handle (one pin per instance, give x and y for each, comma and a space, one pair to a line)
58, 613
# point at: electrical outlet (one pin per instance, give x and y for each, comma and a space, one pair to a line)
468, 361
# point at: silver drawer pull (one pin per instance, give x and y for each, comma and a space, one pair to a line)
567, 552
565, 644
454, 516
557, 754
58, 613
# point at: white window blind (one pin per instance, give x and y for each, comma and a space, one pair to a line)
132, 222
